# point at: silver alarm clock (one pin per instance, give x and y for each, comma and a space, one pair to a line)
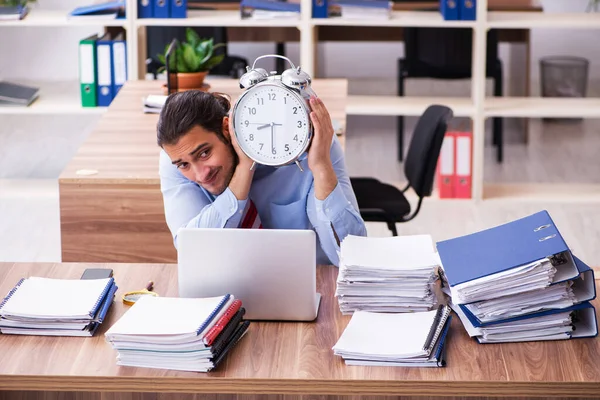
271, 119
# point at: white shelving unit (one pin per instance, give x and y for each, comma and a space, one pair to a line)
63, 98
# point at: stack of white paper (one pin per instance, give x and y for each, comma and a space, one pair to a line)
154, 103
56, 307
169, 333
386, 274
388, 339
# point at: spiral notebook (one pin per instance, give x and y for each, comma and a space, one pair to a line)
169, 319
392, 337
37, 298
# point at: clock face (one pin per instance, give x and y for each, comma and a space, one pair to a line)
271, 124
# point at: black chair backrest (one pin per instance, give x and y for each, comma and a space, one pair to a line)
424, 149
449, 49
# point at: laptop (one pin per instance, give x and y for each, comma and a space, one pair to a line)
272, 271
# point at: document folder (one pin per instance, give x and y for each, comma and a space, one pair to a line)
584, 290
507, 246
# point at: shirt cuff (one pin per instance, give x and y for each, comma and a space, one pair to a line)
333, 205
229, 208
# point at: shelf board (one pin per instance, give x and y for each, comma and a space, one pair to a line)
543, 192
55, 98
225, 18
538, 107
500, 19
397, 18
408, 106
48, 18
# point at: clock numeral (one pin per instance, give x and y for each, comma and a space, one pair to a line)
287, 147
299, 124
252, 110
261, 101
273, 151
296, 138
261, 145
251, 137
271, 96
295, 110
246, 123
285, 100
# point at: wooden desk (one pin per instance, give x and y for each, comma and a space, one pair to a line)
116, 214
283, 358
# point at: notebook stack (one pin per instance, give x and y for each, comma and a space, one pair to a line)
56, 307
519, 282
188, 334
387, 274
386, 339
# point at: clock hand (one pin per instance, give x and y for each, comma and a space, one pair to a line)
272, 138
263, 126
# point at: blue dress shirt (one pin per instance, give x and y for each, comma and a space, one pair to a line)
284, 197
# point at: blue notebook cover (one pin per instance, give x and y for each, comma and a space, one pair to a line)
504, 247
271, 5
98, 8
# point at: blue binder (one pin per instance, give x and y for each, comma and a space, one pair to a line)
145, 8
161, 8
119, 63
468, 10
271, 5
504, 247
320, 9
104, 66
584, 289
450, 9
99, 9
178, 8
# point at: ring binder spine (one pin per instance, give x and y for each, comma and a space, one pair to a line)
11, 293
436, 328
94, 309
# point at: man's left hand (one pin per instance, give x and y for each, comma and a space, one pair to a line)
319, 152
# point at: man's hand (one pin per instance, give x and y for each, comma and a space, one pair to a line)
244, 160
242, 177
319, 158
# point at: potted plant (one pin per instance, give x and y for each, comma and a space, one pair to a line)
593, 6
193, 59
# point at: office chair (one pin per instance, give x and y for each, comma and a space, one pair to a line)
380, 202
442, 53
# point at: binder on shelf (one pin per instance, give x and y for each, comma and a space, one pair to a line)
468, 10
145, 8
507, 246
111, 9
320, 9
161, 8
87, 71
105, 70
450, 9
119, 63
268, 9
445, 170
178, 8
463, 164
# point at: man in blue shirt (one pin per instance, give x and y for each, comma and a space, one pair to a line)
206, 180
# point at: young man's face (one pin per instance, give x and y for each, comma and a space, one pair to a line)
204, 158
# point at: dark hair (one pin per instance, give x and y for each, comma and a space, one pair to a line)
184, 110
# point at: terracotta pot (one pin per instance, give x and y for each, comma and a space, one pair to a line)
190, 80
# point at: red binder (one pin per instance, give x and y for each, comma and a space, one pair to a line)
445, 168
463, 166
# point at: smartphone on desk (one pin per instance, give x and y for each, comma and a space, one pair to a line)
97, 273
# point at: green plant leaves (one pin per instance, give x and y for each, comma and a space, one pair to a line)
194, 55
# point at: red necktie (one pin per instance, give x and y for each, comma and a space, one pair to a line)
251, 219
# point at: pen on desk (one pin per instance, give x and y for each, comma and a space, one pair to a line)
218, 327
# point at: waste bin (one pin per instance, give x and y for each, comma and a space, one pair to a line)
564, 76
